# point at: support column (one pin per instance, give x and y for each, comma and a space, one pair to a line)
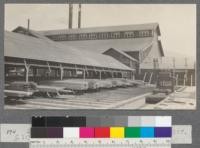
133, 75
84, 74
49, 67
61, 73
150, 77
177, 80
112, 74
184, 81
100, 74
27, 67
144, 78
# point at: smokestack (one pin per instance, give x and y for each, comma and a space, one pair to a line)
28, 26
70, 15
79, 16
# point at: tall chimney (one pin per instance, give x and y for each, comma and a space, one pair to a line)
79, 16
70, 15
28, 26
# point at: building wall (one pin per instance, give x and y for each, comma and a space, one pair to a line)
153, 54
190, 76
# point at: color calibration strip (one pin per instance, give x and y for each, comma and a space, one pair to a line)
181, 134
102, 127
101, 132
124, 121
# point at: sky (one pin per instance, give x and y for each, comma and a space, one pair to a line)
177, 21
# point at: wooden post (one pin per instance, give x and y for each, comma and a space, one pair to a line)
49, 68
176, 79
133, 76
150, 77
100, 74
27, 67
191, 80
61, 73
184, 81
145, 74
84, 74
27, 74
113, 74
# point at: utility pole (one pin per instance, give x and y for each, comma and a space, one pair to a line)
174, 66
185, 75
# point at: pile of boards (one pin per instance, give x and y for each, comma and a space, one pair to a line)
157, 96
57, 87
90, 84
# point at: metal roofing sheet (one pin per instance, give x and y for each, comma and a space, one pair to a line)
23, 46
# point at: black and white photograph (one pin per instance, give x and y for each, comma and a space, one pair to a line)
100, 56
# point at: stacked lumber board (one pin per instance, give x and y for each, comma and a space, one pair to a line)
17, 94
22, 86
71, 84
57, 87
20, 89
155, 98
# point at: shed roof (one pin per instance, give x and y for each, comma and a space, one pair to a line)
23, 46
122, 53
147, 26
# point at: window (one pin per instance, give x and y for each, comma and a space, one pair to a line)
62, 37
128, 34
72, 37
136, 34
82, 36
145, 33
92, 36
115, 35
100, 36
